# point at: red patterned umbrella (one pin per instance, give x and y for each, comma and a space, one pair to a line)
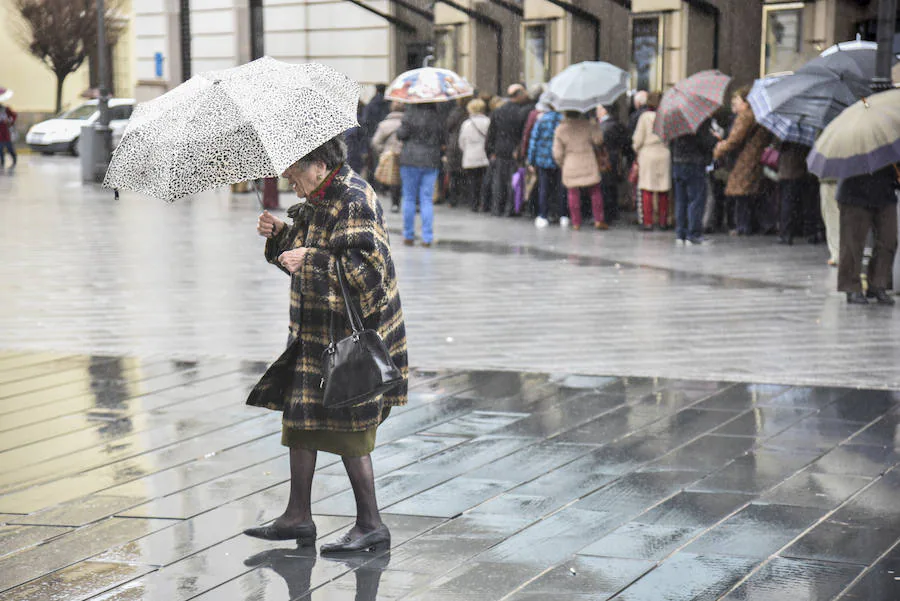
691, 102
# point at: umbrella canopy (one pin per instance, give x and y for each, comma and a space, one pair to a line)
863, 139
224, 127
586, 85
691, 102
786, 128
817, 92
5, 94
429, 85
863, 54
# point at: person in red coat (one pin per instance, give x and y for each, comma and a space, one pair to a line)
7, 119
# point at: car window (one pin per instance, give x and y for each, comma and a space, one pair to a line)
80, 112
120, 112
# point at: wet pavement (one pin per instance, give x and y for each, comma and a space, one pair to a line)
592, 416
132, 479
137, 277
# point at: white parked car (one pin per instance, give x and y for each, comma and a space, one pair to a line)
61, 133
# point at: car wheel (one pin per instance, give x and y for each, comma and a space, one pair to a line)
73, 148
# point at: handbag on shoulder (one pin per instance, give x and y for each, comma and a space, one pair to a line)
359, 367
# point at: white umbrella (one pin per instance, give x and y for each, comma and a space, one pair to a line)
229, 126
587, 85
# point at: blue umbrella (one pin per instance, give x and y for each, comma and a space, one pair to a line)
786, 129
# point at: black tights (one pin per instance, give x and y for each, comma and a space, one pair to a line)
362, 479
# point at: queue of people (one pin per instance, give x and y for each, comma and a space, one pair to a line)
517, 156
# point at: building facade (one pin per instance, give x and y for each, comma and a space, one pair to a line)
34, 84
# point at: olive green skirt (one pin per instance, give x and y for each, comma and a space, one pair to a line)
345, 444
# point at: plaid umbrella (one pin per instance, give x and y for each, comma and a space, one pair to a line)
863, 139
785, 128
691, 102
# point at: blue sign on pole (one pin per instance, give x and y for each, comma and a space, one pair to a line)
158, 63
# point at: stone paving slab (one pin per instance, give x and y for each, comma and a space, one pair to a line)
690, 490
84, 273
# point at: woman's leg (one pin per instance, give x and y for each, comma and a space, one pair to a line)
299, 511
362, 479
410, 177
663, 207
646, 208
426, 210
545, 188
742, 215
597, 204
574, 196
855, 226
831, 214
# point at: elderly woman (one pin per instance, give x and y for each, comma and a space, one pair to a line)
654, 167
338, 219
746, 142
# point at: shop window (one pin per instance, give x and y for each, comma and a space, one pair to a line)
783, 38
445, 40
646, 53
536, 43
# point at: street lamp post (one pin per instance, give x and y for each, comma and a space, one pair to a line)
103, 133
887, 22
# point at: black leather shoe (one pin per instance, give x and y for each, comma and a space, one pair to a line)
881, 296
304, 535
856, 298
377, 540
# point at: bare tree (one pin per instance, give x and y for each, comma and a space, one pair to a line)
63, 33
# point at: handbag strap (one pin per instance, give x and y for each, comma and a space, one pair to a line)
355, 321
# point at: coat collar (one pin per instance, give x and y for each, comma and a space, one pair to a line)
331, 188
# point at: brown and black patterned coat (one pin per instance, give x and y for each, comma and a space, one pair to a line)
746, 142
347, 224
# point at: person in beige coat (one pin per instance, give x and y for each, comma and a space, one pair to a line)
385, 140
575, 146
654, 167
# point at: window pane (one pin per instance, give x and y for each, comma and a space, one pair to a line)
445, 48
784, 41
537, 54
645, 54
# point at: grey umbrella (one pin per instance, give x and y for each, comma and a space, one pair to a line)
819, 91
862, 52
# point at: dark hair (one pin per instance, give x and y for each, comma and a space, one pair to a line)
653, 100
573, 114
332, 153
380, 88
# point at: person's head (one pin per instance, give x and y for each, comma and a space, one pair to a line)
653, 100
309, 171
397, 107
573, 115
739, 102
380, 88
496, 102
640, 99
477, 107
535, 91
517, 93
602, 112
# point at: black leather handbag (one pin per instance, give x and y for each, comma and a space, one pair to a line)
359, 367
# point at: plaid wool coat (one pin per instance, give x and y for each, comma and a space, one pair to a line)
346, 225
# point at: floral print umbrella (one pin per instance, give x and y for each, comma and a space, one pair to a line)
229, 126
429, 85
692, 101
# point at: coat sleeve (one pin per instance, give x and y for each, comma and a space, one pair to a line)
404, 131
559, 148
360, 242
464, 135
490, 139
597, 135
277, 245
640, 134
737, 136
536, 133
380, 138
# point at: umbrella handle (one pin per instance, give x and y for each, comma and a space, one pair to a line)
258, 197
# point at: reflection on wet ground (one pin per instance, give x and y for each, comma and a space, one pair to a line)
126, 479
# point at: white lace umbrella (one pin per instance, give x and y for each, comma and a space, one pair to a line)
229, 126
